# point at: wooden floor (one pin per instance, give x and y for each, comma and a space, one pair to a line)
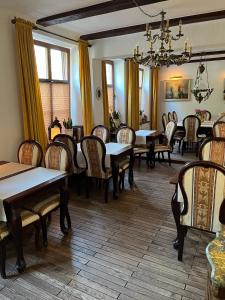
120, 250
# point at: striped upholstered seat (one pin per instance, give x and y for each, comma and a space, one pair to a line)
30, 153
70, 142
201, 195
57, 157
219, 129
169, 133
213, 149
102, 132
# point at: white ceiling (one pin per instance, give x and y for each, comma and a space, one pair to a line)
175, 8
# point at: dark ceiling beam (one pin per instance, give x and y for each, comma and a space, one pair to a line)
215, 15
93, 10
207, 59
208, 53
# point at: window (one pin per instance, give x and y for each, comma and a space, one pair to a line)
110, 84
53, 72
141, 75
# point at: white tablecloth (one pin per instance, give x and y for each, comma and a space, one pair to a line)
208, 124
110, 149
141, 136
22, 182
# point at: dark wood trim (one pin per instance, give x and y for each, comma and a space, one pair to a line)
93, 10
215, 15
207, 59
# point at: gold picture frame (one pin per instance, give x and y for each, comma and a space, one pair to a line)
177, 90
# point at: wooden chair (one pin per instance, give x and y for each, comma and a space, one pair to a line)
57, 157
164, 121
204, 115
94, 152
126, 135
170, 116
54, 129
191, 126
78, 132
219, 129
213, 149
201, 198
168, 146
174, 116
27, 218
102, 132
30, 153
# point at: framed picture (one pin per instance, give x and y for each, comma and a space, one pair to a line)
177, 90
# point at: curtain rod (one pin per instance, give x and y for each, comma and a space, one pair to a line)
13, 21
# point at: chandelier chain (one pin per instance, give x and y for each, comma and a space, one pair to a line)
144, 12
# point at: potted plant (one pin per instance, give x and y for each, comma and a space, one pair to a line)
68, 126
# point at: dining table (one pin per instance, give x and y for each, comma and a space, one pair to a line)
20, 184
147, 138
115, 152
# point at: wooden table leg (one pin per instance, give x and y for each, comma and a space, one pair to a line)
131, 172
64, 212
115, 174
175, 205
14, 223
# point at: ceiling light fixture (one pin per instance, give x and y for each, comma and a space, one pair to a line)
164, 55
201, 89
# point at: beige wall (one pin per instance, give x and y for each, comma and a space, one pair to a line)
215, 104
10, 112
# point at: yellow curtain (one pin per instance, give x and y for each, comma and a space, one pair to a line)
132, 78
154, 97
33, 120
85, 87
105, 96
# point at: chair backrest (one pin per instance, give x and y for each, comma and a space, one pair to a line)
78, 132
175, 117
164, 120
213, 149
126, 135
70, 142
58, 157
30, 153
54, 128
170, 116
94, 152
170, 131
220, 118
102, 132
204, 115
191, 125
201, 189
219, 129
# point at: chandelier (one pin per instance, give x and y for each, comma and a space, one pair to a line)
164, 55
201, 90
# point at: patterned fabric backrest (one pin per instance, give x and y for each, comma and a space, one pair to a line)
219, 129
101, 132
58, 157
94, 151
204, 115
203, 189
68, 140
170, 116
175, 117
30, 153
213, 150
164, 120
125, 135
191, 125
169, 132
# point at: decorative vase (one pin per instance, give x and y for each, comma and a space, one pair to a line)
68, 131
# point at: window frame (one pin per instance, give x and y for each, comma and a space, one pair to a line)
55, 47
142, 77
110, 62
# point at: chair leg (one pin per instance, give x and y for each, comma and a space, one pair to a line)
163, 156
182, 150
169, 158
2, 258
179, 146
106, 190
181, 235
37, 226
44, 230
139, 160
